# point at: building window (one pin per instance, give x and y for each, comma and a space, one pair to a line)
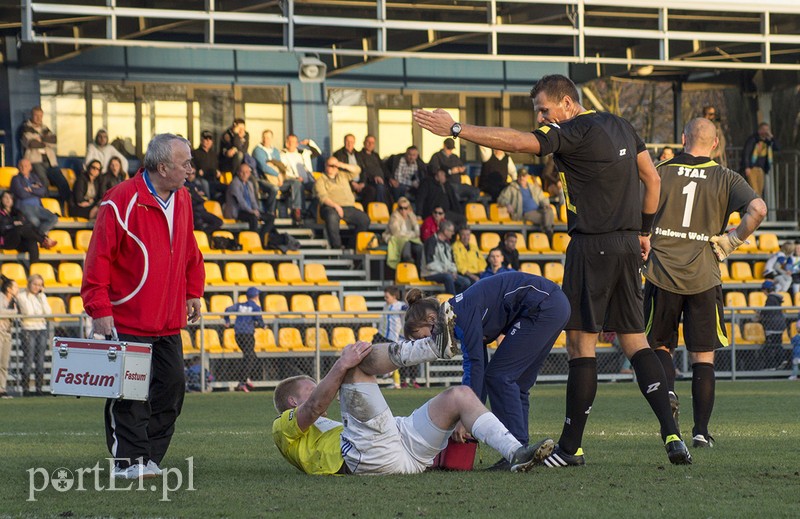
114, 109
64, 107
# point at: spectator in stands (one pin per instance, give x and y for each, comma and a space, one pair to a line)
667, 153
430, 225
271, 171
338, 202
494, 264
757, 157
207, 163
233, 146
438, 192
392, 331
718, 154
28, 193
86, 192
778, 267
402, 236
509, 250
8, 309
33, 302
525, 200
774, 323
114, 175
404, 172
193, 376
451, 163
795, 352
496, 168
439, 265
39, 147
16, 232
244, 330
373, 175
299, 168
348, 155
203, 220
241, 203
468, 258
102, 151
795, 258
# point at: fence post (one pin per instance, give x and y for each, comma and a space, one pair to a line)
317, 369
203, 358
735, 326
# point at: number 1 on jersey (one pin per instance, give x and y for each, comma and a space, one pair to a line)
689, 190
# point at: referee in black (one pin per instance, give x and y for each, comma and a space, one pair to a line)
601, 161
682, 270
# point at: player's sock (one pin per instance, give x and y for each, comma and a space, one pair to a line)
669, 367
412, 353
488, 429
653, 385
703, 383
581, 390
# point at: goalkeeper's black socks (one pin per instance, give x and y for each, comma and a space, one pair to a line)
581, 390
669, 367
653, 385
703, 384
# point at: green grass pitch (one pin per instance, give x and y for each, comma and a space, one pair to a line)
754, 471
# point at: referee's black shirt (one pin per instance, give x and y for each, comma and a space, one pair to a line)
595, 153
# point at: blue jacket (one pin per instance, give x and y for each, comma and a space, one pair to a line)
487, 309
488, 272
245, 323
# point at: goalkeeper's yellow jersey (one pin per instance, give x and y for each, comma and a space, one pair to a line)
316, 450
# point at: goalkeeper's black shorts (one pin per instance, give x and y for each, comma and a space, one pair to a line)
703, 318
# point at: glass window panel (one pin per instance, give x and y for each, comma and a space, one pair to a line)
394, 132
432, 143
348, 119
214, 112
264, 116
64, 107
164, 117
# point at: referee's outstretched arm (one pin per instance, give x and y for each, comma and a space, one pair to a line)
439, 122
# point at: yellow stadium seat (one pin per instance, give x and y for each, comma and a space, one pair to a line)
797, 299
786, 298
465, 179
538, 243
756, 298
443, 297
748, 247
70, 274
6, 174
76, 305
758, 270
406, 274
724, 273
754, 333
277, 304
186, 342
560, 242
499, 213
316, 273
740, 271
342, 336
562, 213
214, 207
367, 243
531, 268
69, 174
213, 274
16, 272
476, 213
312, 336
202, 242
488, 241
522, 245
57, 305
236, 274
265, 340
366, 333
554, 271
357, 304
47, 272
329, 303
52, 205
208, 340
290, 273
290, 339
734, 219
262, 273
82, 239
226, 177
251, 242
229, 340
737, 300
378, 212
219, 302
561, 340
303, 303
64, 245
768, 242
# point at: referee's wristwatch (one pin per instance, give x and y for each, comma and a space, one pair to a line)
455, 130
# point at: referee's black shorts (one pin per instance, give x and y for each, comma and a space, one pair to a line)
703, 318
603, 283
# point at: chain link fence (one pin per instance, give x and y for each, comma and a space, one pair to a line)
217, 358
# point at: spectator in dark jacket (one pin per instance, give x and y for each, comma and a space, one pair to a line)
233, 146
774, 323
244, 331
438, 192
16, 232
404, 172
114, 175
373, 175
203, 220
86, 192
509, 250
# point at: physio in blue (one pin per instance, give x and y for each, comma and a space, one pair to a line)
529, 311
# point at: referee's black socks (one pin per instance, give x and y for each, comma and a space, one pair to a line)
581, 390
653, 385
703, 383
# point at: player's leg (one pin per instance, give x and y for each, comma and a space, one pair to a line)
662, 313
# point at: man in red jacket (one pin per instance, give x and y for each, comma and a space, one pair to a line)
143, 276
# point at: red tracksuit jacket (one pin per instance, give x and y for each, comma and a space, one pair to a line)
132, 271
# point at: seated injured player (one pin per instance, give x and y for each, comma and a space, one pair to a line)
370, 440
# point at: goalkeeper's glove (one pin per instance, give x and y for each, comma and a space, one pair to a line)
724, 244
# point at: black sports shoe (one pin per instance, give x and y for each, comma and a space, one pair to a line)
703, 441
559, 458
502, 465
675, 405
528, 456
443, 332
677, 452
